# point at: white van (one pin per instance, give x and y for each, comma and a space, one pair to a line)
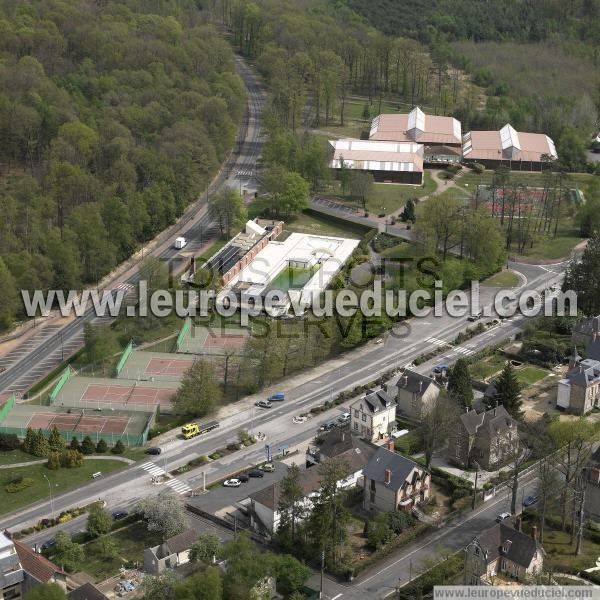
180, 243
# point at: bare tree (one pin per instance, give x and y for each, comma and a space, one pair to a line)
438, 421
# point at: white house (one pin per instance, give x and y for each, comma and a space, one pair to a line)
373, 416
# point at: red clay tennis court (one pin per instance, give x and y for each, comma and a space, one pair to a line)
79, 422
227, 340
120, 394
167, 366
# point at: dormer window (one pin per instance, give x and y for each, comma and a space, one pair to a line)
506, 546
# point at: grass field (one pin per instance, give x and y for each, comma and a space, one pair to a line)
131, 542
469, 179
528, 375
560, 555
10, 457
61, 481
504, 279
487, 367
309, 222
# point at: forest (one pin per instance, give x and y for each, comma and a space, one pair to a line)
113, 117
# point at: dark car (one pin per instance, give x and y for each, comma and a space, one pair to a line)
243, 477
328, 426
155, 451
256, 473
119, 514
48, 544
530, 500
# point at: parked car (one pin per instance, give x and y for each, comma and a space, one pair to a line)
48, 544
344, 418
243, 477
232, 482
439, 369
277, 397
119, 514
154, 451
328, 426
255, 473
502, 517
267, 467
530, 500
263, 404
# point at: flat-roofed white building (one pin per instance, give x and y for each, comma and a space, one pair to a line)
396, 162
441, 136
300, 267
515, 149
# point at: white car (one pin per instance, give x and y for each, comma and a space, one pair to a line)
344, 418
263, 404
232, 483
502, 517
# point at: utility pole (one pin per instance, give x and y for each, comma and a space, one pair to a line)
322, 571
475, 488
50, 492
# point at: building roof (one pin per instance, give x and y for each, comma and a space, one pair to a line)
372, 155
414, 382
309, 480
36, 565
490, 422
586, 373
416, 126
341, 444
507, 144
399, 466
375, 400
87, 591
518, 546
182, 541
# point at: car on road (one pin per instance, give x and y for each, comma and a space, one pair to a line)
328, 426
154, 451
267, 467
232, 482
475, 316
255, 473
439, 369
263, 404
502, 517
530, 500
119, 514
243, 478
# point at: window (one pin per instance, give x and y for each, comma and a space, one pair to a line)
355, 425
356, 413
372, 497
364, 417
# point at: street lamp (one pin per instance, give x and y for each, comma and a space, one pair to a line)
50, 491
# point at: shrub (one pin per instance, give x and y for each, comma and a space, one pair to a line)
118, 448
74, 445
53, 461
71, 459
87, 446
199, 460
9, 441
215, 456
19, 484
101, 447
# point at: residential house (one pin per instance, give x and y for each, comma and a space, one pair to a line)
12, 574
579, 392
502, 551
172, 553
373, 416
487, 439
392, 481
87, 591
343, 445
38, 569
414, 393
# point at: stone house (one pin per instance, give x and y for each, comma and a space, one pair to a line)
172, 553
579, 392
392, 482
489, 439
502, 551
373, 416
415, 394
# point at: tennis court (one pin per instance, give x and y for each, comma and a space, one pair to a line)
147, 367
131, 427
214, 340
123, 394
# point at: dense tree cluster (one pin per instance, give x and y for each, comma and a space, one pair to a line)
113, 116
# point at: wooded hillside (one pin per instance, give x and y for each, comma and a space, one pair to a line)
113, 117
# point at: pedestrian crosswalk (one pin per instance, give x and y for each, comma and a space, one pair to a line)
456, 349
464, 351
437, 342
124, 286
178, 486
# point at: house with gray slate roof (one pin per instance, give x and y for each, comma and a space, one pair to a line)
415, 394
502, 552
373, 416
579, 392
392, 482
487, 438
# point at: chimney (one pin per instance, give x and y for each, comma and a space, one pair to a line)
534, 533
388, 476
390, 445
420, 386
343, 436
406, 380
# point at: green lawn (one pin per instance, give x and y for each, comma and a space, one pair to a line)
131, 541
528, 375
61, 481
554, 248
560, 555
309, 222
468, 178
487, 367
504, 279
10, 457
